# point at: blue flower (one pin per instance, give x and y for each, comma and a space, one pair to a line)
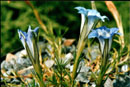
93, 16
28, 38
103, 33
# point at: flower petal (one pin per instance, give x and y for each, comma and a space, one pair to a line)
22, 36
93, 12
103, 32
29, 39
30, 32
114, 30
104, 17
36, 30
82, 22
102, 44
91, 21
93, 34
81, 10
96, 15
110, 43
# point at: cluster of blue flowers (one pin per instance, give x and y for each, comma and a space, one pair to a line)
101, 33
89, 19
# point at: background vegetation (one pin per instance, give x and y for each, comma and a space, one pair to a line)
62, 15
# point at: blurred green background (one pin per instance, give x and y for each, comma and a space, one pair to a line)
62, 15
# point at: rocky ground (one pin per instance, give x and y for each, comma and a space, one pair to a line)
18, 64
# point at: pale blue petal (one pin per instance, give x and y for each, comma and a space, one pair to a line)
93, 12
83, 13
102, 44
81, 10
29, 40
90, 24
110, 43
103, 18
103, 32
36, 30
29, 28
22, 36
106, 35
30, 32
93, 34
93, 16
30, 45
96, 15
82, 22
19, 33
114, 30
119, 33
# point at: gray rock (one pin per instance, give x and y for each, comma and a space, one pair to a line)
16, 81
108, 83
49, 63
82, 77
16, 64
94, 52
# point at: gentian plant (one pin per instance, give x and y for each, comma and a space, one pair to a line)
89, 19
63, 65
104, 36
29, 41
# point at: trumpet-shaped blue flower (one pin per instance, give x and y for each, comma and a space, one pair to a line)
103, 33
93, 15
28, 38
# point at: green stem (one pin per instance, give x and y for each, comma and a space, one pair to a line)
61, 77
39, 75
80, 47
104, 64
100, 78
